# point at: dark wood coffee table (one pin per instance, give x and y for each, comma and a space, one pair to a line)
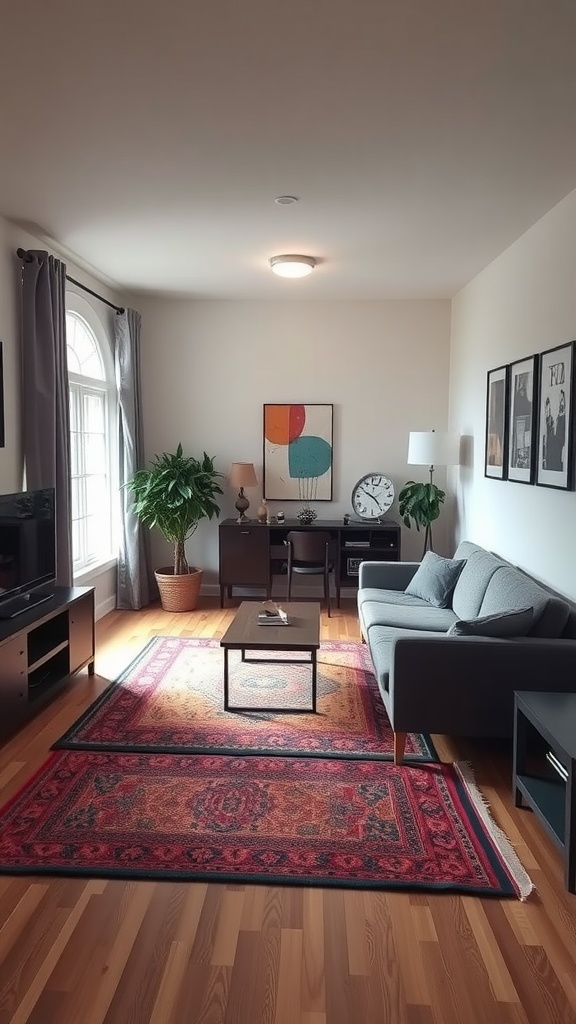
302, 634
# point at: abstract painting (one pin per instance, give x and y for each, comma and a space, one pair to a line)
298, 452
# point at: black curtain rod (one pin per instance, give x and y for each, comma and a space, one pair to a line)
23, 254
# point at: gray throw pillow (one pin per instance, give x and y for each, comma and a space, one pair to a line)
516, 623
435, 579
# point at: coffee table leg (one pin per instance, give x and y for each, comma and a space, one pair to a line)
313, 681
226, 694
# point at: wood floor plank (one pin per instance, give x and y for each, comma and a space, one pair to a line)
408, 951
288, 997
81, 951
313, 953
501, 983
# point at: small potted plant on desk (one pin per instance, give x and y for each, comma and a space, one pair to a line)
174, 495
421, 503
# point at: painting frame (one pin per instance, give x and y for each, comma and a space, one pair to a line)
555, 438
496, 441
298, 455
522, 419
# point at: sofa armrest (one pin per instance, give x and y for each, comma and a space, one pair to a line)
386, 575
465, 685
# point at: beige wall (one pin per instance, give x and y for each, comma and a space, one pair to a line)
524, 302
208, 367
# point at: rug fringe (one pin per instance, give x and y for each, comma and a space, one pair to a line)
521, 877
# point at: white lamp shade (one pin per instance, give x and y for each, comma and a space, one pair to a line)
242, 474
433, 448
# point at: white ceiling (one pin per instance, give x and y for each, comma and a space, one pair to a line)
421, 137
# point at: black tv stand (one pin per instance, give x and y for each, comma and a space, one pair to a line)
16, 605
41, 649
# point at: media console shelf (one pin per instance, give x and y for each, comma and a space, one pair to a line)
252, 553
40, 650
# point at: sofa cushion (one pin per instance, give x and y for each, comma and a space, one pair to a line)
397, 597
435, 579
509, 589
473, 580
380, 639
398, 616
516, 623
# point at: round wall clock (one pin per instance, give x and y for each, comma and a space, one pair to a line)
372, 496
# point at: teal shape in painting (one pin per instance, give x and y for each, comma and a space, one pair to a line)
309, 456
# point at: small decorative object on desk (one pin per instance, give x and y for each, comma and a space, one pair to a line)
272, 615
262, 512
306, 515
280, 517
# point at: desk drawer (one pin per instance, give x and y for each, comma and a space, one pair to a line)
244, 555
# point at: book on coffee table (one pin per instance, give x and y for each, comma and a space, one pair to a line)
272, 615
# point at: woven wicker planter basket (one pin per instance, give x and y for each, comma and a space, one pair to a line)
179, 593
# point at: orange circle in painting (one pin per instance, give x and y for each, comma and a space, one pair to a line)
283, 423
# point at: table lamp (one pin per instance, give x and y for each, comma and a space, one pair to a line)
242, 474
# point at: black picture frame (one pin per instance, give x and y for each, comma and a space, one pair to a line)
555, 448
522, 419
496, 447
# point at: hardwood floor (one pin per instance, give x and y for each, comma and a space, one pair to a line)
82, 951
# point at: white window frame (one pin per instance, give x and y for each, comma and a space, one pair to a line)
102, 329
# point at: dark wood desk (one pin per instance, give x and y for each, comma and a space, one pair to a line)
252, 553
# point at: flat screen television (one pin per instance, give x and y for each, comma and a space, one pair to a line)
27, 550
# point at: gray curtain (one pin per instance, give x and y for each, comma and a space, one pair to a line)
45, 401
134, 561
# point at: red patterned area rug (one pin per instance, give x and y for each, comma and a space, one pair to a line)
170, 700
278, 820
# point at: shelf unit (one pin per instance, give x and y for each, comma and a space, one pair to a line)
544, 766
40, 650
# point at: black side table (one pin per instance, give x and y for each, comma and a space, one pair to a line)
545, 767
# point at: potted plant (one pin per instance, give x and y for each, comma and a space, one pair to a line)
421, 503
174, 495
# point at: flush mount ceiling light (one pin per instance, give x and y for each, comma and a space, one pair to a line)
292, 266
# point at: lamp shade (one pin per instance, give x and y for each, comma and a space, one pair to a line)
433, 448
242, 474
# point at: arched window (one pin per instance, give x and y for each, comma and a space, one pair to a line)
92, 422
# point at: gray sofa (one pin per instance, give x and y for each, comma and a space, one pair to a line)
462, 685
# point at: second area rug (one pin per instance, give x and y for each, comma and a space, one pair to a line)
278, 820
170, 700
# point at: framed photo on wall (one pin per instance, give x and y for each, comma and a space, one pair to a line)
496, 458
298, 454
554, 467
522, 393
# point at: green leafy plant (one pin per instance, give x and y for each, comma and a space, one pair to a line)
174, 495
420, 503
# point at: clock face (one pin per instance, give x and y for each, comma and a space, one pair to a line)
372, 496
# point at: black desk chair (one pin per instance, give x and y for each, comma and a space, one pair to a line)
309, 555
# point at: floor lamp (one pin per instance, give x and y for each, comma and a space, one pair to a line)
433, 448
